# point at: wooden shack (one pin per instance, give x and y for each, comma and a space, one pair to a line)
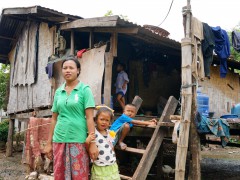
28, 41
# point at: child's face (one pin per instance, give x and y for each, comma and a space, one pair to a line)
119, 68
103, 121
130, 111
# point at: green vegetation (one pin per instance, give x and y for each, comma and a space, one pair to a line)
4, 130
4, 79
110, 13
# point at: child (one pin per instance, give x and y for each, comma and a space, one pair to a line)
123, 124
121, 84
105, 167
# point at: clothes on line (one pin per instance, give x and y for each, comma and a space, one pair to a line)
208, 44
236, 40
218, 127
222, 48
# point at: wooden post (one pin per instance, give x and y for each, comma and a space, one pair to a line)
108, 78
108, 69
72, 43
182, 145
195, 146
114, 42
9, 149
91, 39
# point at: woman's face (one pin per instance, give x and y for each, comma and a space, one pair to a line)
70, 71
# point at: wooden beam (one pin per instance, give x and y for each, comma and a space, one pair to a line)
121, 30
114, 43
109, 21
37, 113
137, 101
8, 38
108, 78
55, 19
9, 149
28, 10
72, 43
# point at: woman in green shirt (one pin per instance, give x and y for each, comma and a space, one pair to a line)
72, 118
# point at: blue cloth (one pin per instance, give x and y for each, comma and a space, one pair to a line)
218, 127
120, 121
121, 78
222, 48
49, 70
236, 40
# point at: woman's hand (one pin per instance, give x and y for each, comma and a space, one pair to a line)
49, 151
93, 151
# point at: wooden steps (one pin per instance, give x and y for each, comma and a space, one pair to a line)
149, 155
133, 150
125, 177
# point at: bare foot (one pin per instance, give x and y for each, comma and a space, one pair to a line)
122, 145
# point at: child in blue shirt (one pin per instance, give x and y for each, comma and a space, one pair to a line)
123, 124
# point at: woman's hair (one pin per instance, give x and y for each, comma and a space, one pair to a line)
72, 58
105, 110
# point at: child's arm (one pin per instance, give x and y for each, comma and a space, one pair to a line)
91, 137
139, 122
124, 85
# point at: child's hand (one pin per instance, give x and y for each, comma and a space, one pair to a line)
91, 137
153, 121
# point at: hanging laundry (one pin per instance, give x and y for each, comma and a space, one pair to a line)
236, 40
197, 37
222, 48
80, 53
49, 70
208, 44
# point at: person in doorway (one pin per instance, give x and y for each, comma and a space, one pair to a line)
72, 118
122, 125
121, 84
105, 167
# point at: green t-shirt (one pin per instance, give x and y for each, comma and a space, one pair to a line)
71, 124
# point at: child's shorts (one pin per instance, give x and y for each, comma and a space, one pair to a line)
121, 93
118, 134
105, 172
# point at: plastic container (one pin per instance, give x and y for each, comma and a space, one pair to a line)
236, 110
226, 116
202, 103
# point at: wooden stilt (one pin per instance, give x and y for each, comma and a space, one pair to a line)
195, 147
72, 43
9, 149
91, 39
182, 145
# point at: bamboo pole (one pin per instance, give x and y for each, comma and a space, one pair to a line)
182, 145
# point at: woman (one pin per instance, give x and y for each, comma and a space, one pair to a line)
71, 119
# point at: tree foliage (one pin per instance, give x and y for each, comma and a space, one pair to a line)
110, 13
4, 80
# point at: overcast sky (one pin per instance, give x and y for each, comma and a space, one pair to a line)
214, 12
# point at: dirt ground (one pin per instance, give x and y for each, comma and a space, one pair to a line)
217, 164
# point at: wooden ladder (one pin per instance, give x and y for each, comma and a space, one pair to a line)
150, 153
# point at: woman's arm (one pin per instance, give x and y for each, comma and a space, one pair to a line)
93, 150
48, 148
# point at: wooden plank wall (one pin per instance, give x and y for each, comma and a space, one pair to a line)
221, 96
26, 97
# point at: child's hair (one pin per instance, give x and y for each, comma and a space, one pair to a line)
122, 65
133, 105
105, 110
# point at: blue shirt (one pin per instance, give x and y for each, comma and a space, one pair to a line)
120, 121
121, 78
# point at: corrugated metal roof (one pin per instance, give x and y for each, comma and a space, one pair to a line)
12, 20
